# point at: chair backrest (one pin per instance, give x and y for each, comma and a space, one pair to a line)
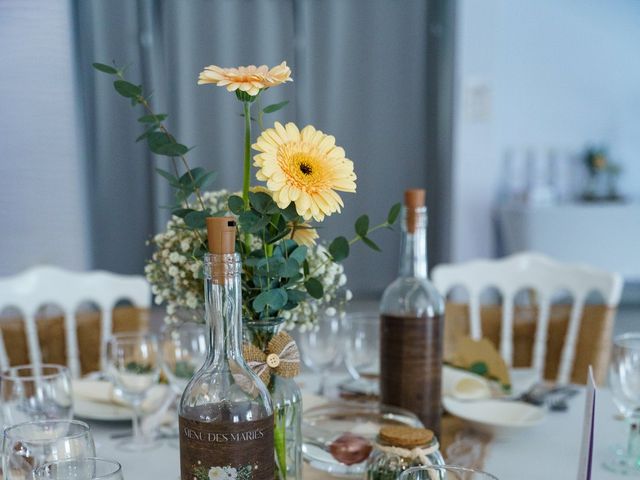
39, 286
547, 277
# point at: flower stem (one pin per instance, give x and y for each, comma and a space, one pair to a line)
247, 154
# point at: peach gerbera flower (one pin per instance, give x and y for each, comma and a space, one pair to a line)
305, 235
250, 79
305, 167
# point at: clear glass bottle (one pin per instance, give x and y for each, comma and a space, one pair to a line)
411, 325
287, 407
226, 415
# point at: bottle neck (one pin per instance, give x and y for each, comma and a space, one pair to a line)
223, 306
413, 245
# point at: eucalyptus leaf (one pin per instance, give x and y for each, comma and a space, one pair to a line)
314, 287
127, 89
182, 212
206, 179
371, 244
273, 299
197, 219
105, 68
362, 225
262, 202
172, 179
159, 117
290, 268
253, 222
290, 213
275, 107
339, 249
393, 214
146, 133
299, 254
236, 204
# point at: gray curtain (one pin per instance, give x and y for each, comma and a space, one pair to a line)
361, 72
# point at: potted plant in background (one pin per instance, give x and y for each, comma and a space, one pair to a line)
289, 278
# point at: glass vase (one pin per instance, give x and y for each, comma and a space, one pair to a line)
287, 407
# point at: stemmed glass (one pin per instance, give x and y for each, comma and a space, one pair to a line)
29, 445
81, 469
132, 365
183, 349
445, 472
320, 347
32, 392
624, 382
362, 354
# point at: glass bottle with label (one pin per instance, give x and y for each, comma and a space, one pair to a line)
226, 416
411, 325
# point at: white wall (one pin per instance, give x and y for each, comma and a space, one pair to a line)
545, 74
42, 202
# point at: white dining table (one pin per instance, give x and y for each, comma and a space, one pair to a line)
548, 450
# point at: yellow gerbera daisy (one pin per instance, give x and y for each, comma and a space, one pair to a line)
304, 235
250, 79
305, 167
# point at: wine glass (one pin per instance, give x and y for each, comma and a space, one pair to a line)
80, 469
445, 472
362, 353
29, 445
132, 365
320, 347
36, 392
624, 383
183, 349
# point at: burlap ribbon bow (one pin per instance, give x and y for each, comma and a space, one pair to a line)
281, 358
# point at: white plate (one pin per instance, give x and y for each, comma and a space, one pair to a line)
497, 417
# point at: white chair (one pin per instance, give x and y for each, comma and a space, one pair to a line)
543, 275
39, 286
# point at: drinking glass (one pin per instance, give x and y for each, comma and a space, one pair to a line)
445, 472
32, 392
27, 446
80, 469
132, 365
362, 353
624, 383
320, 347
183, 349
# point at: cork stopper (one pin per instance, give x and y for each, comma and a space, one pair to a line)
414, 198
221, 235
404, 436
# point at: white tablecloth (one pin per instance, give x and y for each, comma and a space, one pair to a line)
549, 450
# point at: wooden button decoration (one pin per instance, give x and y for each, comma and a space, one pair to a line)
273, 360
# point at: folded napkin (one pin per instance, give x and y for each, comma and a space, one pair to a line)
481, 357
103, 391
464, 385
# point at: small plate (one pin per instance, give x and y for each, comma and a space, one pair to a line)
324, 423
497, 417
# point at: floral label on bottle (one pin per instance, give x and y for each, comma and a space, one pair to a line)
226, 451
